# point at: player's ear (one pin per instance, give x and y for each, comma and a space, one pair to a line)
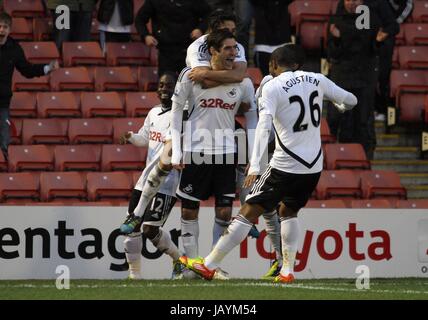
212, 51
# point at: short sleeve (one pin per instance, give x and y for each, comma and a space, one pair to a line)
198, 55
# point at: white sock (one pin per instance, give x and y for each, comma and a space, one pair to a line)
218, 229
133, 246
190, 236
151, 186
273, 229
164, 244
290, 236
236, 233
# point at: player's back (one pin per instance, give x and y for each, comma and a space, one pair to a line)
298, 98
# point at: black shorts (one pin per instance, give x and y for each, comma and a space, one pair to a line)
200, 181
158, 210
275, 186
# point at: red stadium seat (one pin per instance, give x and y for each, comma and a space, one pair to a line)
148, 78
337, 203
24, 8
22, 29
135, 176
76, 78
416, 33
304, 10
114, 78
121, 126
127, 53
346, 155
338, 184
16, 131
43, 29
139, 104
90, 131
40, 52
60, 185
78, 53
326, 136
154, 54
23, 104
78, 158
123, 157
412, 204
374, 203
411, 106
23, 185
420, 11
102, 104
3, 163
25, 158
108, 185
381, 184
255, 75
20, 83
57, 104
412, 57
395, 62
45, 131
408, 81
312, 35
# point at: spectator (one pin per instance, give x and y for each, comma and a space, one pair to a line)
80, 20
400, 9
352, 54
272, 30
223, 5
244, 10
174, 26
115, 20
11, 57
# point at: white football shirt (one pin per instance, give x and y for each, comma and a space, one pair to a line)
154, 130
211, 112
199, 56
294, 100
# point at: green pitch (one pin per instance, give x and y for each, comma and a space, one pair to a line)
406, 288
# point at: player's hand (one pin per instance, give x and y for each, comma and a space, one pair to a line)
249, 180
197, 75
196, 33
53, 65
334, 31
123, 139
381, 36
151, 41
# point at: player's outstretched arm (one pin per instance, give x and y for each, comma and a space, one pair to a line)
237, 74
176, 126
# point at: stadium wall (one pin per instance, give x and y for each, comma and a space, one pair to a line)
34, 241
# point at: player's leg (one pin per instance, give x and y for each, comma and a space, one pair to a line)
133, 242
273, 230
150, 188
264, 196
190, 227
299, 189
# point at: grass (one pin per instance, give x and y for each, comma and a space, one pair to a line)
402, 288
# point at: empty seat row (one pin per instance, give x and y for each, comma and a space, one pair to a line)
74, 157
369, 203
90, 53
27, 104
356, 185
90, 79
72, 131
48, 186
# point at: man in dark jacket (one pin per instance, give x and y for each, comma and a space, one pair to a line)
175, 23
352, 55
115, 18
11, 57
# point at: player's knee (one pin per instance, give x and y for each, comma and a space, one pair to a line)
251, 211
288, 211
150, 231
189, 209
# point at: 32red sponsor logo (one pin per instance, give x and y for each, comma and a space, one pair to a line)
378, 249
216, 103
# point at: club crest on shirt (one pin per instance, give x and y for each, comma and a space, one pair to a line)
188, 189
232, 93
